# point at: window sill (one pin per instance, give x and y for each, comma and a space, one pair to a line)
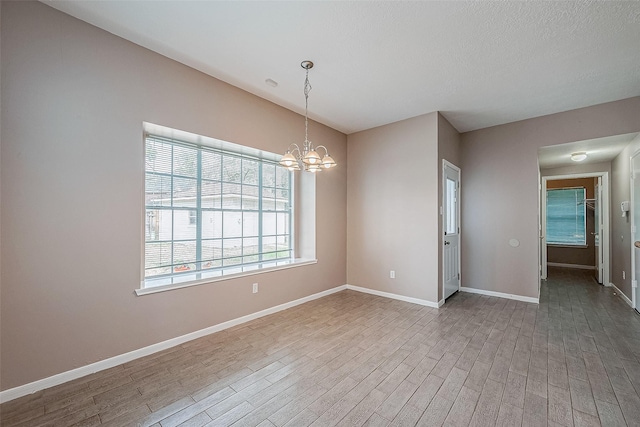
152, 286
554, 245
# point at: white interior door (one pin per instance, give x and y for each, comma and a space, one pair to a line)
635, 223
598, 230
451, 229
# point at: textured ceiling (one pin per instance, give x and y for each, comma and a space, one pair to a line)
598, 151
480, 63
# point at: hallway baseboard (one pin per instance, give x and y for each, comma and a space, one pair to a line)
578, 266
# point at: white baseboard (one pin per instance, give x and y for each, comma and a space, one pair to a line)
578, 266
622, 295
396, 296
23, 390
500, 295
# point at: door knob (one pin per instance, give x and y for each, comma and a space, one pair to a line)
448, 243
637, 244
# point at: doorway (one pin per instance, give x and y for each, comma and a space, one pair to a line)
451, 229
635, 223
597, 202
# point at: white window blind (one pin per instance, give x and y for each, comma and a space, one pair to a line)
566, 216
209, 210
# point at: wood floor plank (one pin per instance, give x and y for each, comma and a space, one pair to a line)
463, 408
610, 414
488, 404
535, 411
509, 416
436, 412
582, 397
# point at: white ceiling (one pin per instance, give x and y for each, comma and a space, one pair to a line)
598, 150
481, 63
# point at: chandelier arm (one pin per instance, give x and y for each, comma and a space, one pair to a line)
326, 152
294, 149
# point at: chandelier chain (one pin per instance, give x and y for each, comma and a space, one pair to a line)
307, 89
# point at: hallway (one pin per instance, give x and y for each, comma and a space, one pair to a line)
592, 340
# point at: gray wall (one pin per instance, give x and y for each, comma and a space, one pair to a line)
500, 197
74, 100
394, 192
621, 226
392, 208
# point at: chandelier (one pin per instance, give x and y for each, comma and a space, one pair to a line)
306, 157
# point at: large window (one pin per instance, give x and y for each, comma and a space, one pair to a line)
566, 217
211, 212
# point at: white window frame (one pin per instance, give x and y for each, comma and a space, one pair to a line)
193, 278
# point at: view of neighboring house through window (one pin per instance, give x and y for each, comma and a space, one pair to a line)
566, 217
209, 210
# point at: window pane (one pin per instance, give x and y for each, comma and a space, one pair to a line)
250, 197
211, 194
268, 175
211, 166
231, 196
224, 208
182, 227
250, 170
231, 169
184, 192
184, 256
211, 224
268, 204
451, 221
184, 161
283, 177
157, 258
268, 224
158, 224
232, 224
157, 190
250, 246
250, 224
211, 253
232, 251
566, 216
283, 223
158, 156
269, 245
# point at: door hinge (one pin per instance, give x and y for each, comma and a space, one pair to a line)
458, 276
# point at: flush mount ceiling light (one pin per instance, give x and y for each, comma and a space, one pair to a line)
579, 156
307, 157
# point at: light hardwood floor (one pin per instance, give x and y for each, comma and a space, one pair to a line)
356, 359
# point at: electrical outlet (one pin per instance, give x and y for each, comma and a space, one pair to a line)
392, 274
255, 288
624, 275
